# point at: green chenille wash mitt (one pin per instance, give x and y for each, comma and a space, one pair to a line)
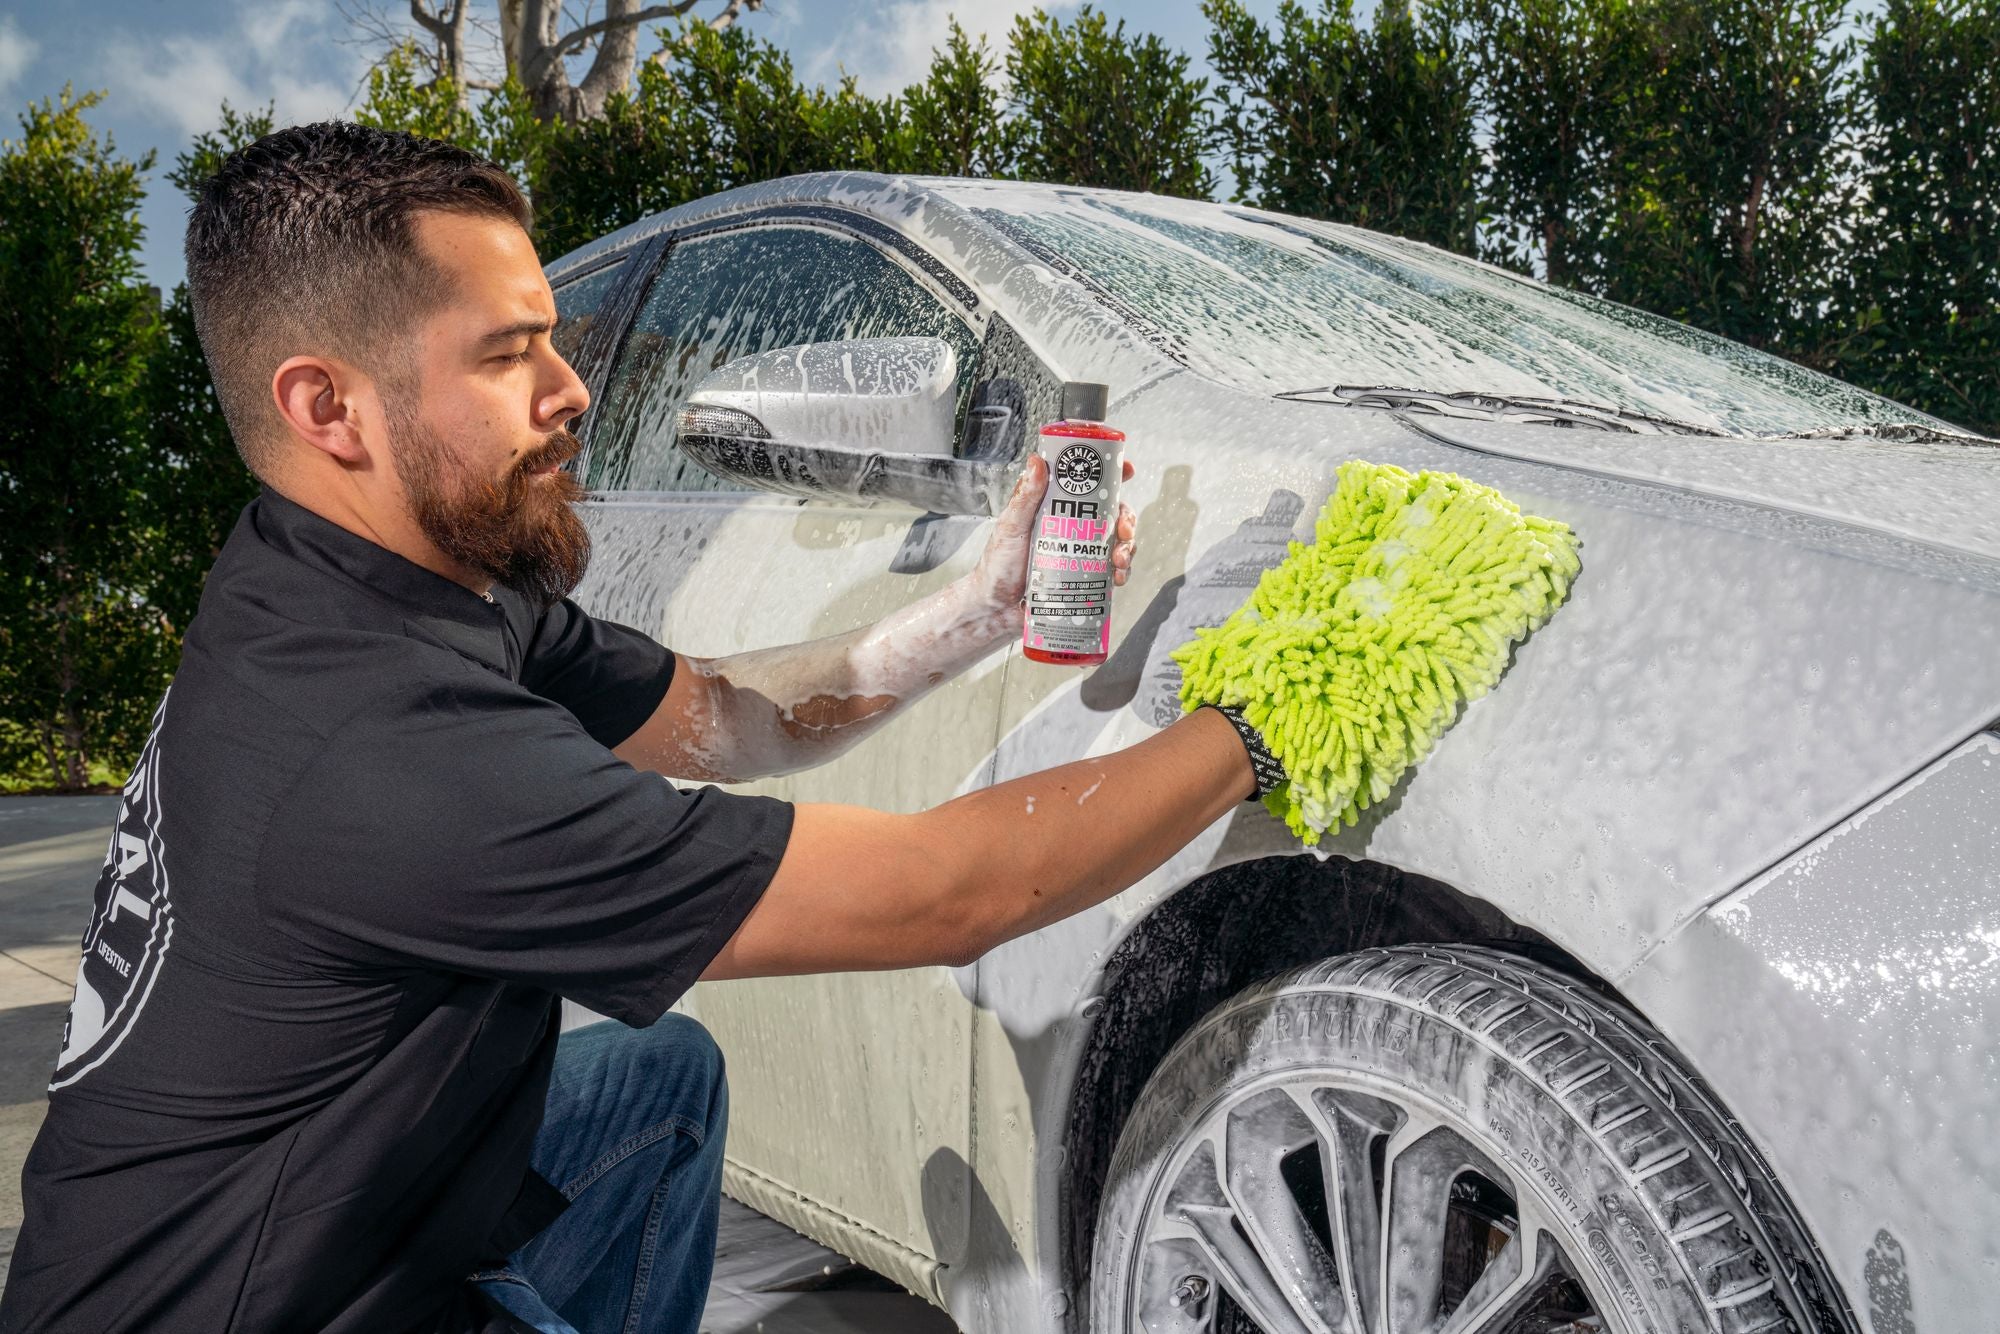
1355, 652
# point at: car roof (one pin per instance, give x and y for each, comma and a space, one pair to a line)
888, 199
1730, 388
1936, 491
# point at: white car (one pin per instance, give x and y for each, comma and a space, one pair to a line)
1660, 997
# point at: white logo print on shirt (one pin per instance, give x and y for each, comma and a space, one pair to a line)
130, 926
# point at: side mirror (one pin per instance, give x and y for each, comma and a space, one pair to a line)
865, 419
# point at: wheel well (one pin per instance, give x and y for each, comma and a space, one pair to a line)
1212, 939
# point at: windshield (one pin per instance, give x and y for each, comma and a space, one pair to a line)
1280, 305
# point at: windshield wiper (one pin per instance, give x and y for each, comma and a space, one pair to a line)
1916, 432
1480, 406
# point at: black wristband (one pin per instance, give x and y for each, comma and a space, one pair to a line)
1264, 766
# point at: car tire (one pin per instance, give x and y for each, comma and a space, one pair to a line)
1443, 1139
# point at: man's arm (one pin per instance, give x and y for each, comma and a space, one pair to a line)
861, 889
779, 710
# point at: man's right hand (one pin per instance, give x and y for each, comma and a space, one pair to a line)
861, 889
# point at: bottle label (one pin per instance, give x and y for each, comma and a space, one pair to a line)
1069, 571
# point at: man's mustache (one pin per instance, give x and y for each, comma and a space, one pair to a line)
560, 447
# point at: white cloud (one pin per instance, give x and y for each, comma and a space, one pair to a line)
267, 30
888, 46
17, 52
284, 54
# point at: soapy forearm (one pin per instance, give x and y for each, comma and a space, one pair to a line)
778, 710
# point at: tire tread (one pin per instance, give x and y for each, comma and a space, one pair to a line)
1721, 1209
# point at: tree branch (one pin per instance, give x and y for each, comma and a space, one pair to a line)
731, 11
435, 25
447, 29
372, 29
617, 52
729, 14
571, 42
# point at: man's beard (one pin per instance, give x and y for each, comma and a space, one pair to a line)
520, 530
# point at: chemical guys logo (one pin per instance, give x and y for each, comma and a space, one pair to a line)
1078, 468
130, 926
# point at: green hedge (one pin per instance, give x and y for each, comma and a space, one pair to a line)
1812, 177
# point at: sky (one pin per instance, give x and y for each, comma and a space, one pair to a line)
166, 66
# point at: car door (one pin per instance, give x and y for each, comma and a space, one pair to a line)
849, 1093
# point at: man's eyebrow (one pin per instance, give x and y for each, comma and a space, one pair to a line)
522, 329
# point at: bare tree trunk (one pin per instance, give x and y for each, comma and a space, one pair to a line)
50, 751
511, 18
77, 762
447, 28
537, 51
1746, 241
617, 52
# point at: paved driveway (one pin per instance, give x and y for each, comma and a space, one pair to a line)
767, 1277
50, 852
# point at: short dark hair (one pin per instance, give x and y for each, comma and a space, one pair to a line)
304, 242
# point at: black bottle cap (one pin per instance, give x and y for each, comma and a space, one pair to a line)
1083, 401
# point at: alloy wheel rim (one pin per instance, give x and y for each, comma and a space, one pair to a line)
1327, 1204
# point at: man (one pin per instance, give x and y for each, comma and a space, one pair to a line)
403, 794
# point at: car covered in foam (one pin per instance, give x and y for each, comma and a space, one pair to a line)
1659, 996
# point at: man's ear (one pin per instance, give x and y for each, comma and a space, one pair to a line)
321, 401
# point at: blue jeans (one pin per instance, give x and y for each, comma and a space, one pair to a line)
633, 1136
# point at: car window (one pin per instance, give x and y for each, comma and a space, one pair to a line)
1278, 305
733, 294
578, 303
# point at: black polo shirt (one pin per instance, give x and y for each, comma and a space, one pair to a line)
376, 830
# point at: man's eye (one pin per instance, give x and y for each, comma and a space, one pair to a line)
515, 358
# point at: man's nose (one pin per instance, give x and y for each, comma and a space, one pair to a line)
562, 401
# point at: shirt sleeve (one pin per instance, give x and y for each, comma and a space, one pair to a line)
610, 676
477, 828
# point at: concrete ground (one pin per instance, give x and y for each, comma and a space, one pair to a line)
768, 1279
